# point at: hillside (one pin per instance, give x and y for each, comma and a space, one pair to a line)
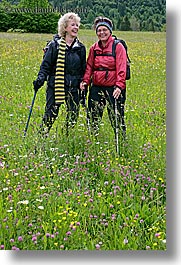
134, 15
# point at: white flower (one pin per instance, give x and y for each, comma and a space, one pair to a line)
125, 241
41, 207
23, 202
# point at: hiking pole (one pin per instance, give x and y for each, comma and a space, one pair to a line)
31, 108
86, 109
117, 127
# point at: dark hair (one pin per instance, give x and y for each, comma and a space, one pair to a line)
102, 19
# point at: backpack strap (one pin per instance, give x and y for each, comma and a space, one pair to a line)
116, 41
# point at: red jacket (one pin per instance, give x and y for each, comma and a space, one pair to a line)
105, 70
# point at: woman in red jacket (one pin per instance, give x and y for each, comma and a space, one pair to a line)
106, 76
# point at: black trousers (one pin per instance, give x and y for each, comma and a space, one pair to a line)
99, 97
72, 99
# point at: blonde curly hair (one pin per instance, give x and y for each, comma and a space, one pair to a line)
63, 22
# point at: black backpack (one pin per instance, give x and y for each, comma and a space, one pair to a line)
128, 70
45, 49
116, 41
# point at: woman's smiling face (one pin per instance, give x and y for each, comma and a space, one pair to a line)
72, 28
103, 33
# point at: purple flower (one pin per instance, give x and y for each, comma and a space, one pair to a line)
98, 246
68, 233
15, 248
34, 238
20, 238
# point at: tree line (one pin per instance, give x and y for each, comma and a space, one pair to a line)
127, 15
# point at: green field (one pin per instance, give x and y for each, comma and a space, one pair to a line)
76, 193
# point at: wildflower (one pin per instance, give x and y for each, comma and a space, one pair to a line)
10, 197
136, 216
147, 247
23, 202
68, 233
125, 241
157, 235
41, 207
97, 246
113, 217
14, 248
20, 238
34, 238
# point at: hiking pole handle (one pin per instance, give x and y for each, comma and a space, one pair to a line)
29, 116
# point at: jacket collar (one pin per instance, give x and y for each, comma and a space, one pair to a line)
99, 43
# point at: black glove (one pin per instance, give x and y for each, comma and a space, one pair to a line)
37, 84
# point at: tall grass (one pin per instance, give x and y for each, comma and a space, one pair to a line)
76, 193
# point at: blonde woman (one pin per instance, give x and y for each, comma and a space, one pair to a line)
72, 63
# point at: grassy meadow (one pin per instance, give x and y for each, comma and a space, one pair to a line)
76, 193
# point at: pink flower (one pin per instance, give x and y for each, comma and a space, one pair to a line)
98, 246
20, 238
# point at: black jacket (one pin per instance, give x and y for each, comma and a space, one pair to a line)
75, 64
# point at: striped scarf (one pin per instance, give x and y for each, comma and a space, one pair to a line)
59, 76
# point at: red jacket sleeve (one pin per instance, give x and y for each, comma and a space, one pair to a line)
121, 64
89, 66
